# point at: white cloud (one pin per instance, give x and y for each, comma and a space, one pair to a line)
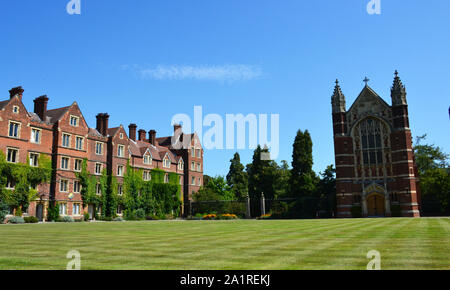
209, 73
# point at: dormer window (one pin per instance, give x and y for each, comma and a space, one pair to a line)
121, 135
15, 110
74, 121
181, 165
166, 162
147, 160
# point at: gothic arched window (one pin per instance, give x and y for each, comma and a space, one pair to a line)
371, 142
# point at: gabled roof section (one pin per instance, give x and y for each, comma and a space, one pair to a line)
3, 104
55, 115
368, 93
113, 131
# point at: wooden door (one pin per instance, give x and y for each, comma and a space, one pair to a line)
375, 205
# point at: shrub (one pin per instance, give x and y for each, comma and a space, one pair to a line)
18, 212
152, 218
140, 214
65, 219
31, 220
129, 215
4, 210
87, 216
356, 211
107, 219
118, 219
16, 220
53, 212
396, 210
79, 220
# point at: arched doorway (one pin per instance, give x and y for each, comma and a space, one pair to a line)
376, 205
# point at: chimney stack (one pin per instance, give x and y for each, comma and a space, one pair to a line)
105, 124
40, 107
132, 131
17, 91
99, 123
142, 134
152, 137
102, 123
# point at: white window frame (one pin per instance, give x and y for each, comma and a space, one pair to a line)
10, 185
68, 162
167, 162
166, 178
119, 147
98, 189
181, 164
32, 163
98, 165
16, 155
97, 147
69, 139
33, 136
76, 209
63, 208
19, 126
193, 180
120, 169
61, 182
77, 121
76, 189
146, 175
148, 160
75, 162
16, 109
120, 189
76, 142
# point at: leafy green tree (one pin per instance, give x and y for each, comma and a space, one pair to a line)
327, 189
434, 172
303, 179
237, 178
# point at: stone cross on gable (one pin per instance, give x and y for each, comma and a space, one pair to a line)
366, 80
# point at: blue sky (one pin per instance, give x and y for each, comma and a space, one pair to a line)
145, 61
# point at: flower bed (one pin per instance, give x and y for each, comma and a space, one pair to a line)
226, 216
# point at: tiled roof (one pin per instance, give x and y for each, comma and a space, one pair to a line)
55, 115
3, 104
112, 131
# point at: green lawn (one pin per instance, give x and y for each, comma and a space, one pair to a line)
238, 245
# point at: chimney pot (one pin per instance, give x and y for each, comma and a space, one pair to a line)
17, 91
105, 121
132, 131
142, 134
152, 137
40, 107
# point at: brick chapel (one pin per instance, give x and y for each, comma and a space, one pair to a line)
375, 166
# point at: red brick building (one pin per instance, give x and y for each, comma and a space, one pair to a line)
375, 166
64, 136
